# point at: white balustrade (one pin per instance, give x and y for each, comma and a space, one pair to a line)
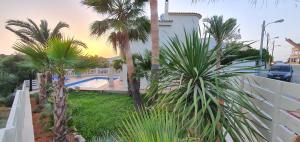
19, 126
92, 72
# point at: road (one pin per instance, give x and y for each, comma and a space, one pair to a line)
296, 74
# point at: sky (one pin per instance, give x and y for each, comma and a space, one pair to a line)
79, 17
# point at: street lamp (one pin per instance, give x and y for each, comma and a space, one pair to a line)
273, 51
264, 25
268, 40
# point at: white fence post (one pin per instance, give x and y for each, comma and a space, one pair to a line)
123, 76
276, 114
279, 101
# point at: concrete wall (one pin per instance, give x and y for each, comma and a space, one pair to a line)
278, 100
19, 127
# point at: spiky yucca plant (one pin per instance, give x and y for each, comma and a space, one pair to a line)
208, 99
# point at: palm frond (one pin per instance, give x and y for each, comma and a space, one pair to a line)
98, 28
101, 6
56, 31
152, 126
65, 53
30, 32
219, 28
140, 29
37, 53
23, 37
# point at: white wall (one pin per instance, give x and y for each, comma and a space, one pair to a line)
279, 101
175, 24
19, 127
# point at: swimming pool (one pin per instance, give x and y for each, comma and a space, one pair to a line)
94, 82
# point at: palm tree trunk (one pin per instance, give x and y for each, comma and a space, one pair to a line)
132, 83
43, 95
155, 46
49, 77
60, 107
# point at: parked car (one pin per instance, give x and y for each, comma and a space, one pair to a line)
281, 72
278, 62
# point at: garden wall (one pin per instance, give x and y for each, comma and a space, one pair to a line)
278, 100
19, 126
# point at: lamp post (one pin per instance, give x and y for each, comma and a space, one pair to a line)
264, 25
268, 41
273, 51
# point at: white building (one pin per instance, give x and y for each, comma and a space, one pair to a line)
170, 23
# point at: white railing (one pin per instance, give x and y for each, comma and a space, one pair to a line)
19, 126
278, 100
92, 72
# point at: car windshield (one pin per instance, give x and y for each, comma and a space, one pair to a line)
280, 68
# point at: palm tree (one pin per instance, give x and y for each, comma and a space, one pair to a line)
37, 54
36, 36
125, 22
220, 30
63, 53
30, 32
155, 44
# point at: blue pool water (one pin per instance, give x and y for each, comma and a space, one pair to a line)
93, 82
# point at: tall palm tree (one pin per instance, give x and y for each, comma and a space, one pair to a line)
125, 22
155, 44
220, 30
63, 53
36, 36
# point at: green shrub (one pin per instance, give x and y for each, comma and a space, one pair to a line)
36, 97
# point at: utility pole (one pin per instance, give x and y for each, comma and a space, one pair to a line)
272, 52
263, 27
268, 40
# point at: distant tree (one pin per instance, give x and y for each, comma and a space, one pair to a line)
117, 64
247, 54
101, 61
14, 69
125, 22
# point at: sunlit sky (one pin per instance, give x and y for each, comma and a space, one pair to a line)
79, 17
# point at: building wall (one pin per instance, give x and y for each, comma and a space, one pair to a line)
295, 56
176, 23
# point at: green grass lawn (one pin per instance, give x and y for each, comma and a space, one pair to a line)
96, 113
